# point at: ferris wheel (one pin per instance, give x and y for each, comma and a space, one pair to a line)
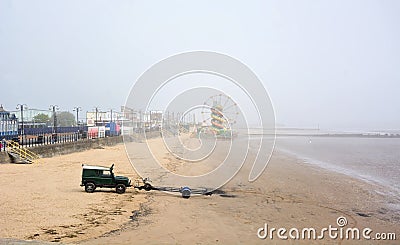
219, 113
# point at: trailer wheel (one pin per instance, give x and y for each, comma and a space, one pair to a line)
147, 187
90, 187
186, 192
120, 188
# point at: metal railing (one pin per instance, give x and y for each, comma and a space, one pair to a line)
24, 154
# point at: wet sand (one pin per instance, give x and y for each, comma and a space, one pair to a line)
44, 202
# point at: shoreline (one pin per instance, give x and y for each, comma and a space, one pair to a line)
381, 187
328, 135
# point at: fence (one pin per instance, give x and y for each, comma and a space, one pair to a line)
49, 130
45, 136
48, 139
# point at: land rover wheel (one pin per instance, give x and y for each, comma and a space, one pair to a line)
120, 188
90, 187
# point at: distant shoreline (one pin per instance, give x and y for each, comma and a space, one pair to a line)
335, 135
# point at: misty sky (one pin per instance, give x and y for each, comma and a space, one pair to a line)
332, 63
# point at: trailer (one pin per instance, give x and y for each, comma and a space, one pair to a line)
186, 192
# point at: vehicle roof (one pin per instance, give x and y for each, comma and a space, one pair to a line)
95, 167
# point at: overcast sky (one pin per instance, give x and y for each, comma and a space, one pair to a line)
332, 63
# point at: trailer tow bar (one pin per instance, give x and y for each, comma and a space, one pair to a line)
185, 191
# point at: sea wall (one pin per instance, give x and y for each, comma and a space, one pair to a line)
51, 150
66, 148
75, 146
4, 157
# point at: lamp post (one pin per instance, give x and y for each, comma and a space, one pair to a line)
21, 107
77, 109
54, 108
96, 112
140, 120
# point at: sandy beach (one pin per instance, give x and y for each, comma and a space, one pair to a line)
44, 202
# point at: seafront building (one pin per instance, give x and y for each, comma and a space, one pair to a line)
8, 124
36, 122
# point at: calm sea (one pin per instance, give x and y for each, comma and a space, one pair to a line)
375, 160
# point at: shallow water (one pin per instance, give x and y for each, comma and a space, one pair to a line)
375, 160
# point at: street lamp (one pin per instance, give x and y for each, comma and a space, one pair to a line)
54, 108
97, 111
77, 109
21, 107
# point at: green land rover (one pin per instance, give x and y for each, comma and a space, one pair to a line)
96, 176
